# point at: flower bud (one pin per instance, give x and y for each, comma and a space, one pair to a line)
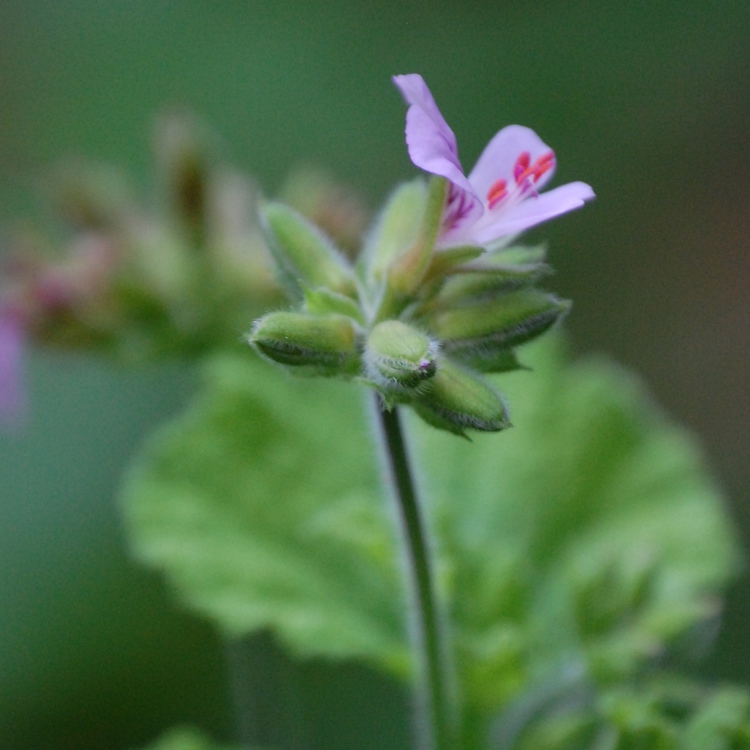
305, 256
398, 356
477, 283
457, 400
184, 151
408, 269
397, 227
399, 251
478, 333
320, 344
322, 301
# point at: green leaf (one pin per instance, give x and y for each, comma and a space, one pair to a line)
667, 713
591, 531
585, 541
255, 503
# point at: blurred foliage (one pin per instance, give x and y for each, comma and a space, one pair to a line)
579, 550
186, 739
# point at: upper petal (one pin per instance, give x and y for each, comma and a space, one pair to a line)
500, 155
431, 143
533, 211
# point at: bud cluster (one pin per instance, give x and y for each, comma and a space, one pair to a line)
177, 274
418, 322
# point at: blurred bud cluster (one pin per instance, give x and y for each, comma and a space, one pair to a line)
180, 273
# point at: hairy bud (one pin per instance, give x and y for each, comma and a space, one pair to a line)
398, 356
317, 344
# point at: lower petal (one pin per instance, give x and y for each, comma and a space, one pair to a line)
535, 210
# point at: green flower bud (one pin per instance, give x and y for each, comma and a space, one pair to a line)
457, 400
407, 271
305, 256
400, 249
317, 344
478, 283
443, 261
396, 229
398, 356
479, 332
323, 301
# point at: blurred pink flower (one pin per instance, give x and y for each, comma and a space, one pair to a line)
500, 196
12, 340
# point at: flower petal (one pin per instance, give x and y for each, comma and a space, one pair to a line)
12, 339
501, 154
431, 143
533, 211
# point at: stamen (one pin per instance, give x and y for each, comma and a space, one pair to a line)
543, 164
522, 165
524, 169
497, 192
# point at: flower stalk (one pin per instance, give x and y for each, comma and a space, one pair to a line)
436, 710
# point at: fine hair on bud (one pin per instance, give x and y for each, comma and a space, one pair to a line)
399, 357
457, 400
312, 344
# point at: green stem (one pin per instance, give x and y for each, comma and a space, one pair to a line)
436, 711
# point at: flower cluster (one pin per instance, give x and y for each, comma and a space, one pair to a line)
439, 294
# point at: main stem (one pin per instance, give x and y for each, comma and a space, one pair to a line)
435, 711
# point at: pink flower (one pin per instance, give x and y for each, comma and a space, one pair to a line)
12, 339
500, 197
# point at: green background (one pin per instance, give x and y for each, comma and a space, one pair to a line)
646, 101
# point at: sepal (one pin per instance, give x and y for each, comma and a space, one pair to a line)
475, 283
399, 357
304, 255
314, 344
489, 360
443, 261
478, 332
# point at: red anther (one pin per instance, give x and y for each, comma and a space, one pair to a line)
543, 164
497, 192
522, 165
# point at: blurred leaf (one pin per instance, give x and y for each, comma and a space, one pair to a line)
671, 714
573, 549
185, 738
590, 535
237, 502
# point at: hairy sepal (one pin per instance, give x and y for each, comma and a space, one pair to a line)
480, 330
304, 255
